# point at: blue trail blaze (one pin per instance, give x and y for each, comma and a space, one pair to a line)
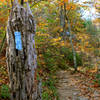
18, 40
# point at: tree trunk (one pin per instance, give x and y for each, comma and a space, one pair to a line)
70, 36
73, 50
21, 60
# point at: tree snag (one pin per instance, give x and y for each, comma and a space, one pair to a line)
21, 58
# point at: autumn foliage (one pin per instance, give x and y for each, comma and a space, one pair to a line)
53, 51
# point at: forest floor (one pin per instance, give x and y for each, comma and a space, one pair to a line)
77, 86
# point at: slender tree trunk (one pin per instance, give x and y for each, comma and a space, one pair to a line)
22, 62
62, 21
73, 50
61, 17
70, 37
64, 27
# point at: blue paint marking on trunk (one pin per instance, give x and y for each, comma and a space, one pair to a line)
18, 40
67, 33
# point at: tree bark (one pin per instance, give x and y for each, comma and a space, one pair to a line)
73, 50
22, 63
70, 35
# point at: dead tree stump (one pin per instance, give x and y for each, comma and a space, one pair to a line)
21, 54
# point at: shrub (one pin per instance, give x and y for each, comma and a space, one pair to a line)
97, 79
4, 93
68, 55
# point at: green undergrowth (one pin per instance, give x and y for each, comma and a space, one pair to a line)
4, 92
52, 56
97, 79
49, 88
49, 80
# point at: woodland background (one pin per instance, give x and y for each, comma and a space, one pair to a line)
53, 46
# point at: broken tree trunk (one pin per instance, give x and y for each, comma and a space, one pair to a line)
21, 54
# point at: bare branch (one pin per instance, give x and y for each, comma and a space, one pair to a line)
35, 3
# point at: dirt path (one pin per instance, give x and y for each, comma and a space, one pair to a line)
75, 87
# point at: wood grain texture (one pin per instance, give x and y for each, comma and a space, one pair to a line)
22, 64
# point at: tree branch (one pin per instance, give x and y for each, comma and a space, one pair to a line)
35, 3
22, 2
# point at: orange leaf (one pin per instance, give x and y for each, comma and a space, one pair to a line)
65, 0
61, 3
96, 85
